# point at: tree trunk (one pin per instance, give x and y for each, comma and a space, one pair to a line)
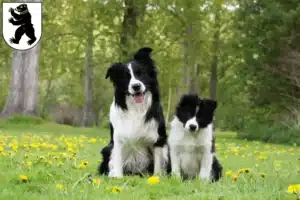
194, 85
186, 68
133, 10
88, 117
215, 50
23, 93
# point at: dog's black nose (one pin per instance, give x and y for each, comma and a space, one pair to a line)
192, 127
136, 87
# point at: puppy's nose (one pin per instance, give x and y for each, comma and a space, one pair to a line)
136, 87
193, 127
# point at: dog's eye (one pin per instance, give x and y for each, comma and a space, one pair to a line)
138, 72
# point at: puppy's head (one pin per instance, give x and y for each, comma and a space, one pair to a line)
195, 113
136, 77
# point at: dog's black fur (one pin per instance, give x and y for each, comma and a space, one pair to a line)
144, 70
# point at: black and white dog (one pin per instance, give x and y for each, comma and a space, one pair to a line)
138, 143
192, 141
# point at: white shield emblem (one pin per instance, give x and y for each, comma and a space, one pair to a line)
22, 24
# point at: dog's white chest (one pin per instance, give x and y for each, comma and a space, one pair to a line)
133, 129
136, 136
190, 152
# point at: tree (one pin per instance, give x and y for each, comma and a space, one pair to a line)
23, 92
215, 50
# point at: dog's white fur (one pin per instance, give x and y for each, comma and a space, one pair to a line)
133, 137
133, 81
191, 151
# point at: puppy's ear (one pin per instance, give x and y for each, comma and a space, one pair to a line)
186, 99
112, 71
209, 104
143, 54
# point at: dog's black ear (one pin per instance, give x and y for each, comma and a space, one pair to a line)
143, 54
113, 70
209, 104
186, 99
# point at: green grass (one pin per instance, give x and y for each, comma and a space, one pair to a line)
280, 164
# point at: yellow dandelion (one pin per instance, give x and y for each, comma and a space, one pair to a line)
263, 175
64, 155
24, 178
234, 177
97, 181
29, 163
295, 188
92, 140
262, 157
60, 186
116, 190
85, 162
234, 150
153, 180
81, 166
244, 170
228, 173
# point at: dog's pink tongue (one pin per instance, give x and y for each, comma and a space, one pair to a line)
139, 98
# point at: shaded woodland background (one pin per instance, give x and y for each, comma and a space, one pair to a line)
244, 53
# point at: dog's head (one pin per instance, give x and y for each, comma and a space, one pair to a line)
136, 77
195, 113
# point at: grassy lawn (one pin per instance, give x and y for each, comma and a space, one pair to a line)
56, 160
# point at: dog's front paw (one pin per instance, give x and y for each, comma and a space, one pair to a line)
204, 176
114, 174
176, 174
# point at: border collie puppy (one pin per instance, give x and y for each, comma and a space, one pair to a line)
138, 139
191, 140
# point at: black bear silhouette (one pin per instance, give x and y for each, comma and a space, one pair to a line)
23, 19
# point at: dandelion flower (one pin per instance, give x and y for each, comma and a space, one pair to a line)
59, 186
81, 166
116, 190
85, 162
263, 175
29, 163
23, 178
244, 170
92, 140
295, 188
228, 173
97, 181
234, 150
234, 177
153, 180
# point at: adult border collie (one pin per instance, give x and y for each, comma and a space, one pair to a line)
138, 139
192, 141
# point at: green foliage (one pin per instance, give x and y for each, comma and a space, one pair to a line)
270, 132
